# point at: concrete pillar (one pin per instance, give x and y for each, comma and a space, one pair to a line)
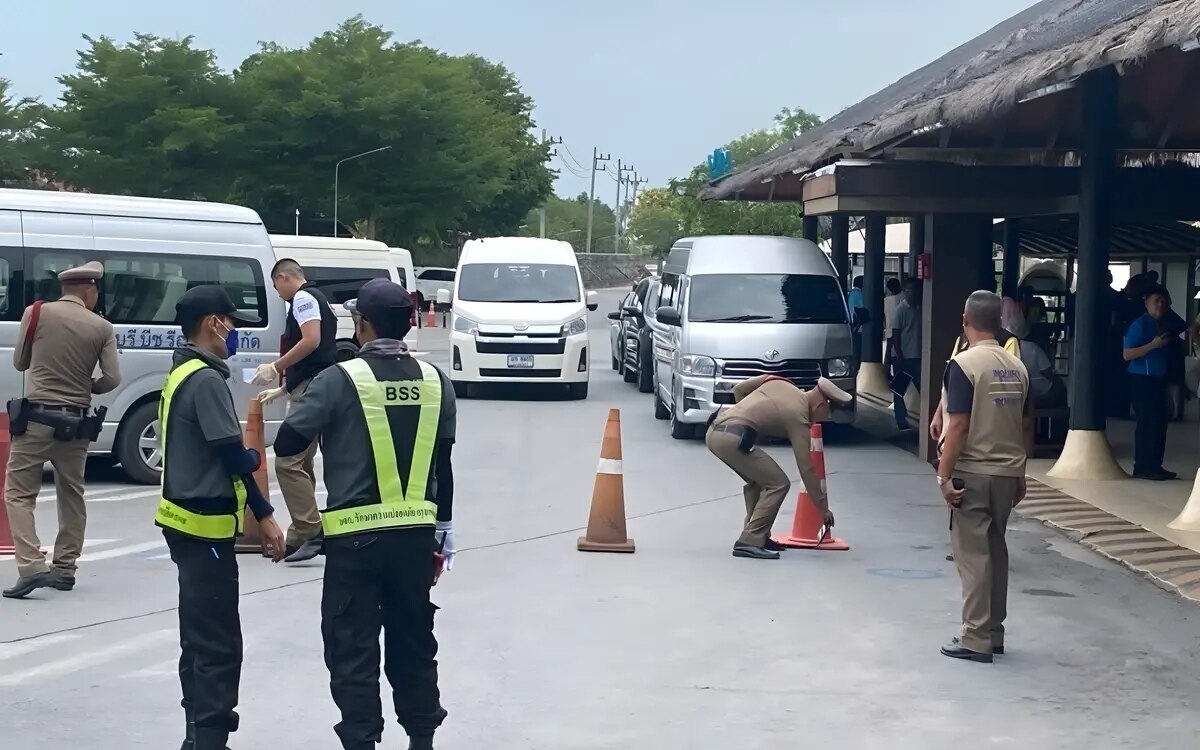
1012, 256
810, 226
1086, 454
956, 245
916, 243
839, 249
873, 258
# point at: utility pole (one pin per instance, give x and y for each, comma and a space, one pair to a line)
630, 201
621, 169
596, 159
553, 153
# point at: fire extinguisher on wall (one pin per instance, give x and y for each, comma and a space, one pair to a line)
924, 266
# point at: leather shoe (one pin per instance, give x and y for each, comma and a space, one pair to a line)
955, 650
756, 553
61, 582
774, 546
308, 550
25, 585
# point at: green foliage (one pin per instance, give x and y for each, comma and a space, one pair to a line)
662, 216
17, 118
566, 219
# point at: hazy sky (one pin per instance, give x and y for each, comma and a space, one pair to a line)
657, 83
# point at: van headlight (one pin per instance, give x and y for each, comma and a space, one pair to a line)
575, 327
465, 325
838, 368
696, 364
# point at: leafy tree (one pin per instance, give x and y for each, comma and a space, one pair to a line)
566, 219
18, 118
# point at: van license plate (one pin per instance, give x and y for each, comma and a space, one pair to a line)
520, 361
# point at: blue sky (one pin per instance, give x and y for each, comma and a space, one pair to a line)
656, 83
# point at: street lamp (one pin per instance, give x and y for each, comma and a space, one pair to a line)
336, 167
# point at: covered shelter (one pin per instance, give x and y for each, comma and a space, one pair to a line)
1073, 112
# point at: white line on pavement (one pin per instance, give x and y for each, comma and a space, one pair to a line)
20, 648
79, 661
130, 549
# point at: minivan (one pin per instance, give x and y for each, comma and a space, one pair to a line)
339, 267
733, 307
519, 315
153, 251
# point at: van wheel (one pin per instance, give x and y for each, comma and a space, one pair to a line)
137, 445
461, 389
660, 409
615, 364
579, 391
346, 350
630, 375
681, 431
645, 379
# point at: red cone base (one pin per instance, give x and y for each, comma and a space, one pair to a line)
806, 530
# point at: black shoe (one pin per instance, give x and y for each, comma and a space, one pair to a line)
208, 738
308, 550
420, 743
25, 585
61, 582
757, 553
774, 546
954, 649
1155, 475
998, 650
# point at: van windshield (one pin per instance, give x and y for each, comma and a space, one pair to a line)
765, 298
341, 284
518, 282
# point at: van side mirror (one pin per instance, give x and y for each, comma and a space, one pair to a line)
614, 316
592, 303
631, 311
669, 316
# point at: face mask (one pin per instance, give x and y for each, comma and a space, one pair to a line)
231, 341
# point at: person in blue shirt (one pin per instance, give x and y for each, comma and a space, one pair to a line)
1145, 350
858, 315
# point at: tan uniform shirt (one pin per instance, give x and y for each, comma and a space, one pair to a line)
994, 385
776, 408
70, 339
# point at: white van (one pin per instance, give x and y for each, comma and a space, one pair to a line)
404, 267
519, 315
153, 251
339, 267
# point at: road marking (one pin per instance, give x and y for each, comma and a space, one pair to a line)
168, 668
129, 549
20, 648
87, 543
80, 661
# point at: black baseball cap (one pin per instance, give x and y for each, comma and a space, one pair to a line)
209, 299
380, 298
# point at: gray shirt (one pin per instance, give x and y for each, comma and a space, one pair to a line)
330, 411
202, 418
907, 320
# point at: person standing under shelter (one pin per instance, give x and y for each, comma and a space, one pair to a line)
1146, 344
309, 347
859, 314
904, 347
893, 298
59, 344
987, 439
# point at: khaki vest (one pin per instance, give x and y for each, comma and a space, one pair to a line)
996, 442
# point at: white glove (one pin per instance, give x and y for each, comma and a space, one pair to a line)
265, 375
443, 539
269, 395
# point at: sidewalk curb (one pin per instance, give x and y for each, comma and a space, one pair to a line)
1171, 567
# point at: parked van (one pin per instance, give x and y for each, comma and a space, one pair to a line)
519, 315
339, 267
733, 307
404, 268
153, 251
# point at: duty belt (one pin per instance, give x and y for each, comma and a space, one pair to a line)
65, 411
737, 430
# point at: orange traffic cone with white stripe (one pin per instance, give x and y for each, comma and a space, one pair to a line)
606, 522
431, 317
808, 528
256, 438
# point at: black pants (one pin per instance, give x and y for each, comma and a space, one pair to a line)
911, 368
1149, 396
210, 632
372, 581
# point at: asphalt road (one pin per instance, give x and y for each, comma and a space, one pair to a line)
677, 646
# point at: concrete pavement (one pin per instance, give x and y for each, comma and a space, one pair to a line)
677, 646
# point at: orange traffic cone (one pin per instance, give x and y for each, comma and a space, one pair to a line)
6, 538
431, 317
606, 522
807, 523
250, 541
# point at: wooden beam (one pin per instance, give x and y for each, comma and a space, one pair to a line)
1181, 99
918, 204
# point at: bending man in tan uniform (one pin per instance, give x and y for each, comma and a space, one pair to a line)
768, 406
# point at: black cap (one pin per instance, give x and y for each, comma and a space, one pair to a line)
209, 299
379, 298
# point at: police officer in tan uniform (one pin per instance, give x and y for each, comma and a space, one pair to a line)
59, 345
768, 406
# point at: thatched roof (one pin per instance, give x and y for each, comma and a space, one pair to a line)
1050, 42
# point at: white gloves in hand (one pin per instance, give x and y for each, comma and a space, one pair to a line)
443, 540
269, 395
265, 375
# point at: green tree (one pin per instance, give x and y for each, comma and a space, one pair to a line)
18, 120
566, 219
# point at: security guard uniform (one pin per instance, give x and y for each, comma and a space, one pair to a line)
768, 406
384, 517
58, 345
207, 485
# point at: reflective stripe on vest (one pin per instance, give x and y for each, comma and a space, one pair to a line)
170, 515
398, 506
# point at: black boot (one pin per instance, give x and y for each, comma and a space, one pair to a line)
209, 738
420, 743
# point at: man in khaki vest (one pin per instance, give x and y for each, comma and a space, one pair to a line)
58, 346
985, 443
768, 406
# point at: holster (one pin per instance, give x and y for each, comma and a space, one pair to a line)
18, 416
90, 427
748, 439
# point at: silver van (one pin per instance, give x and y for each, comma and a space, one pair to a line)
733, 307
153, 251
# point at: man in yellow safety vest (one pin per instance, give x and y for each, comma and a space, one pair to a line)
388, 529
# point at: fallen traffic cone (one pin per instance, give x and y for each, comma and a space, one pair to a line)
1189, 518
431, 317
250, 540
606, 522
6, 537
807, 523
